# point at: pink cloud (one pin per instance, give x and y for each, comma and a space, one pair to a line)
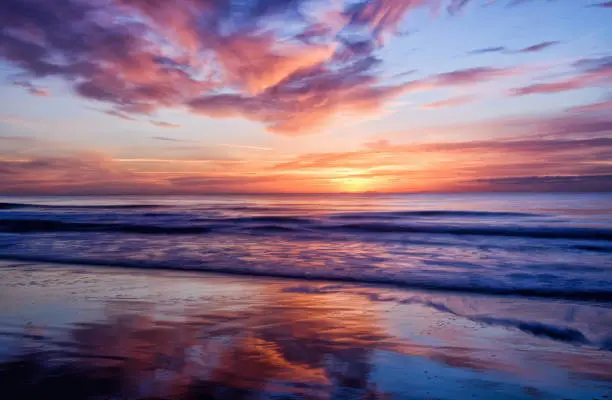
605, 4
468, 76
450, 102
33, 89
538, 47
83, 172
256, 62
299, 110
309, 102
384, 16
594, 72
162, 124
140, 56
601, 106
120, 115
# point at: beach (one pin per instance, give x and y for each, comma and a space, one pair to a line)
74, 331
306, 297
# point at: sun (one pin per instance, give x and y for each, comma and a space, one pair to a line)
355, 185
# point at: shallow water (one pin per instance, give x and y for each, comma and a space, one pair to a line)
78, 332
547, 245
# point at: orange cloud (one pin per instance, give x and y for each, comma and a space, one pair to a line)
257, 62
379, 166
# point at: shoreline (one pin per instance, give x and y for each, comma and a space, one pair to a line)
582, 296
221, 335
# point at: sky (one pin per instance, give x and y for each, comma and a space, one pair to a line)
305, 96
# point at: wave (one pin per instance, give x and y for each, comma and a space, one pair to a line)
594, 248
275, 223
41, 225
431, 213
262, 219
516, 231
10, 206
598, 295
553, 332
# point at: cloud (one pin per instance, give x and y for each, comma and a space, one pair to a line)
383, 17
309, 104
450, 102
18, 121
464, 166
538, 47
605, 4
16, 138
502, 49
386, 166
79, 173
269, 61
313, 99
120, 114
568, 183
374, 154
162, 124
33, 89
497, 49
601, 106
467, 76
168, 139
592, 72
237, 146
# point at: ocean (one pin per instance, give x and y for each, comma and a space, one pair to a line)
544, 245
479, 296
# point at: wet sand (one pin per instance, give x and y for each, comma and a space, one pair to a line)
79, 332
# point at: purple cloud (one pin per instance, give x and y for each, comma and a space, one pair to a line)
497, 49
565, 183
457, 101
591, 72
538, 47
502, 49
140, 56
605, 4
33, 89
600, 106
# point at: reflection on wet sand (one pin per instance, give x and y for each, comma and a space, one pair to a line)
298, 344
286, 343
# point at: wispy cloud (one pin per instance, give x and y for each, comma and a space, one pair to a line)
120, 114
605, 4
536, 48
9, 138
485, 50
600, 106
162, 124
237, 146
33, 89
169, 139
592, 71
456, 166
450, 102
18, 121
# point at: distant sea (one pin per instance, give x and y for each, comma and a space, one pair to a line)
544, 245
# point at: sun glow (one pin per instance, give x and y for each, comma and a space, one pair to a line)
355, 185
